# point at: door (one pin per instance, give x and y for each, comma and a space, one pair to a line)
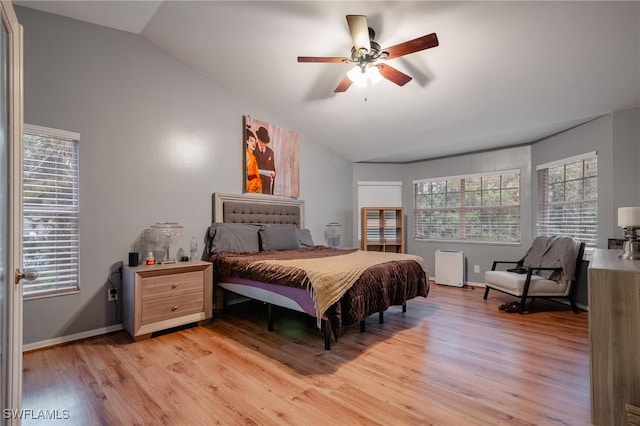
10, 214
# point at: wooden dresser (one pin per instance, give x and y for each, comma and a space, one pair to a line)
614, 336
158, 297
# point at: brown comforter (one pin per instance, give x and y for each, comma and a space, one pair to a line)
380, 286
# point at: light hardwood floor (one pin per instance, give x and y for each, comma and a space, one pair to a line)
451, 359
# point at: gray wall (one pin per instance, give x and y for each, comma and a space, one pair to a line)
597, 136
476, 254
616, 138
157, 139
482, 255
626, 157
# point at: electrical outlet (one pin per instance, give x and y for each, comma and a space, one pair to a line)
476, 268
112, 294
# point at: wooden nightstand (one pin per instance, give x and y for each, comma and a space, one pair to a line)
158, 297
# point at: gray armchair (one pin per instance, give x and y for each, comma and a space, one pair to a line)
549, 270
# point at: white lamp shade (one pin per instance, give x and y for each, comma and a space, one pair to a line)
358, 77
365, 77
373, 73
629, 217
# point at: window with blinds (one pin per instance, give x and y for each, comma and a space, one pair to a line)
50, 210
480, 207
568, 198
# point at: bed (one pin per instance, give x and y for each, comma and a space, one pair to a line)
260, 250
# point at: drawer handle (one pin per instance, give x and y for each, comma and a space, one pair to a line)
174, 308
174, 285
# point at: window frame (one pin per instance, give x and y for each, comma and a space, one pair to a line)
542, 226
69, 210
464, 208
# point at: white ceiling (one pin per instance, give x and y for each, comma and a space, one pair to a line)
505, 73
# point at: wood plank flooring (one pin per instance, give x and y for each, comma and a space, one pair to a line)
451, 359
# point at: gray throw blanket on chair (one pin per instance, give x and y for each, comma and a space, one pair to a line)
552, 252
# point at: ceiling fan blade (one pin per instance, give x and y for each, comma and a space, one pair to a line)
332, 59
359, 31
344, 85
394, 75
421, 43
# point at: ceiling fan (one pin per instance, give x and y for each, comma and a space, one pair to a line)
366, 54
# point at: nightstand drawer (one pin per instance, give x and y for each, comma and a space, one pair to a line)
158, 297
171, 285
162, 309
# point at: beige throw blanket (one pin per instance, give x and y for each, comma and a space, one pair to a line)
329, 278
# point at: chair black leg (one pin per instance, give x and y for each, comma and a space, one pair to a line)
404, 307
525, 292
362, 326
573, 305
381, 317
486, 291
523, 300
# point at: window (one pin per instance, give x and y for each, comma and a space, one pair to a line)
568, 198
482, 207
50, 209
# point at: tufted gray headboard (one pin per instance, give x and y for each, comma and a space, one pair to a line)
257, 208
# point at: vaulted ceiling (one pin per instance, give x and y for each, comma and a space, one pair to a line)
505, 73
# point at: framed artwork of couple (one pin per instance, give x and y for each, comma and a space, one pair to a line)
270, 159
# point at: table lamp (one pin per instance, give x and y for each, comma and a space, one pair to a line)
332, 234
166, 234
629, 220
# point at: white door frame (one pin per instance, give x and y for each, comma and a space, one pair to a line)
13, 373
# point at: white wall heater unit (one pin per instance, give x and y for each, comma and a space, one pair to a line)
450, 267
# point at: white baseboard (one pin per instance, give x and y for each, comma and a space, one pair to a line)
472, 284
70, 338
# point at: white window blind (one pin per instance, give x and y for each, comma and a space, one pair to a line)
378, 194
568, 198
482, 207
50, 210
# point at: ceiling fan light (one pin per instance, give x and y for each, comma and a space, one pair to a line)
357, 76
373, 74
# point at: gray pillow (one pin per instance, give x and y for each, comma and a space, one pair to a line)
233, 238
304, 237
279, 238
